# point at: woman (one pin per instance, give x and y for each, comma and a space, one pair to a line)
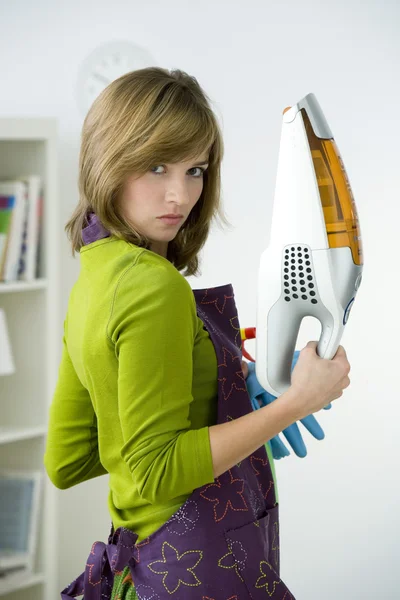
151, 388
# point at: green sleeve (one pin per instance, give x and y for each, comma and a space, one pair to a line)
153, 327
71, 454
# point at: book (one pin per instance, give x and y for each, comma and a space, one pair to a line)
19, 192
20, 493
30, 243
6, 207
7, 366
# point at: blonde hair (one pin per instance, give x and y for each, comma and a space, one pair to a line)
144, 118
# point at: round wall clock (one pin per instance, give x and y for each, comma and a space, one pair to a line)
106, 63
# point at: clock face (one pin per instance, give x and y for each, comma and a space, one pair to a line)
106, 63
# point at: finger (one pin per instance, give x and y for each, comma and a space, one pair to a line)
293, 436
266, 398
278, 448
312, 425
341, 352
312, 344
345, 383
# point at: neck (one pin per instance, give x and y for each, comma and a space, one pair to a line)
160, 248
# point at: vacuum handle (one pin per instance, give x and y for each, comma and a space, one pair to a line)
329, 341
276, 346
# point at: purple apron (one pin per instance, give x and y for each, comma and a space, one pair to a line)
223, 542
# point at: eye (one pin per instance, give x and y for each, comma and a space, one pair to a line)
196, 172
200, 171
156, 167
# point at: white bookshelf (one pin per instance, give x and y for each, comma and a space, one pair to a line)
22, 286
30, 146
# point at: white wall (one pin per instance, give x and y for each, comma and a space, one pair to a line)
340, 521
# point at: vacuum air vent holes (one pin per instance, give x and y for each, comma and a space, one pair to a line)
298, 275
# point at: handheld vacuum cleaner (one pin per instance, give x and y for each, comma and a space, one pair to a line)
313, 264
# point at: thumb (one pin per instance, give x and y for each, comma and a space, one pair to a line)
312, 344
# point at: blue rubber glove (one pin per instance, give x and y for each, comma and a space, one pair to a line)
260, 397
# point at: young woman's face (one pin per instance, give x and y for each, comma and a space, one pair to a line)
170, 189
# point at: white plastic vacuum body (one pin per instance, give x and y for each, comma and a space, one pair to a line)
313, 265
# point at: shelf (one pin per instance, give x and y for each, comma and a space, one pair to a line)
30, 146
16, 434
23, 286
19, 581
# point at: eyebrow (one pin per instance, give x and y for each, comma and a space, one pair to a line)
202, 163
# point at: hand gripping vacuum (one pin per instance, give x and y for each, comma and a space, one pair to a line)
313, 265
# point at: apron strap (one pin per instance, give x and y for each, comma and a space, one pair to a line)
96, 582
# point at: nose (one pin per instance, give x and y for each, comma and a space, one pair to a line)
177, 191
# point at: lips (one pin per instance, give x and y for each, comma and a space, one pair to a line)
174, 220
171, 216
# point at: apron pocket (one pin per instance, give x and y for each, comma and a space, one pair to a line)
254, 550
